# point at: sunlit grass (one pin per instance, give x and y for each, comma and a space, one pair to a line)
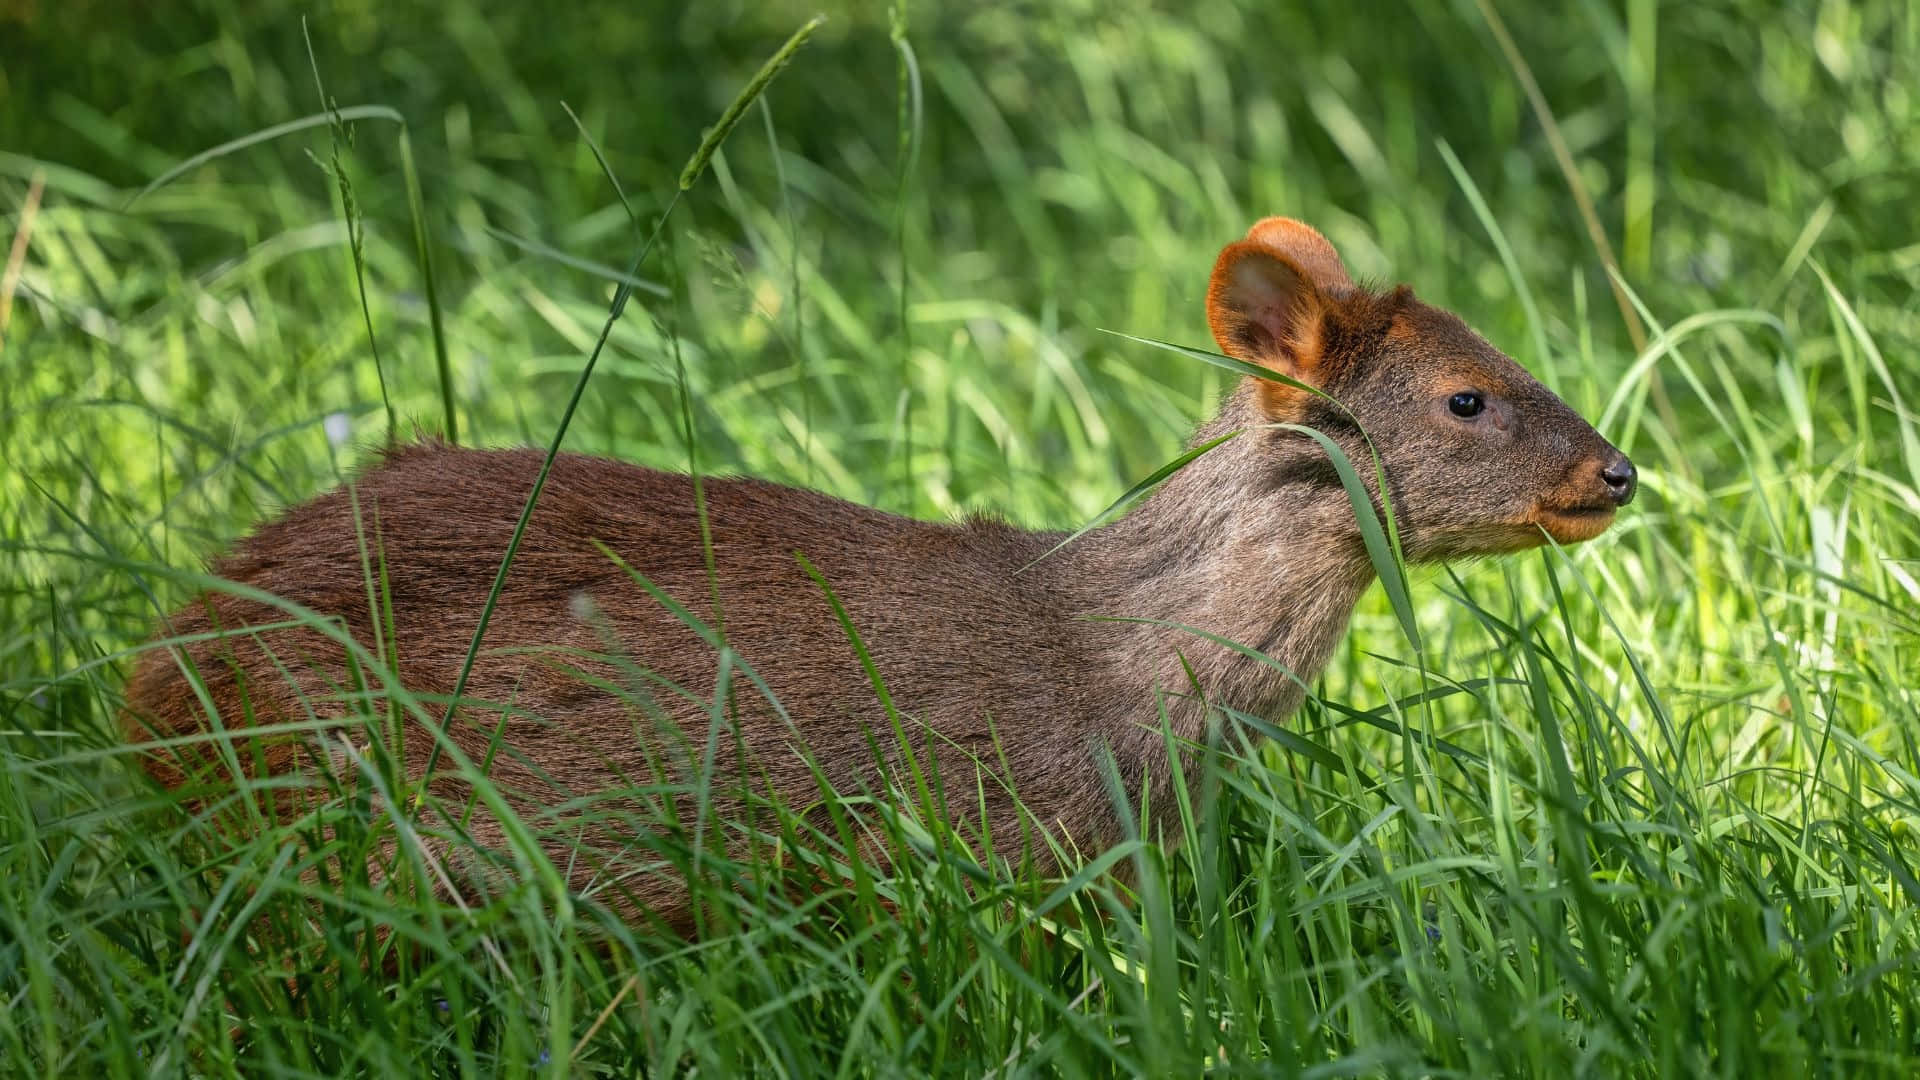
1647, 811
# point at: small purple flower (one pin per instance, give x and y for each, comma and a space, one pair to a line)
1433, 932
443, 1006
544, 1057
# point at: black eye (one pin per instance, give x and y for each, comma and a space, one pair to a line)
1466, 404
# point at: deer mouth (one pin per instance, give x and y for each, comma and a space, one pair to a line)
1573, 524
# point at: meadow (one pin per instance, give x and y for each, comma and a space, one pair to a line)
1636, 808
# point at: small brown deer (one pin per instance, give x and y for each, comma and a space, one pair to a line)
990, 662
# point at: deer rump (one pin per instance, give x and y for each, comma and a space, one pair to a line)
591, 702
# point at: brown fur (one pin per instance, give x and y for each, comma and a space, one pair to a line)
1254, 541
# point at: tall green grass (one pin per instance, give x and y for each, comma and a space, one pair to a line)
1642, 807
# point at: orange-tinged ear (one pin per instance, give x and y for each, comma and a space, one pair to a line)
1267, 303
1307, 249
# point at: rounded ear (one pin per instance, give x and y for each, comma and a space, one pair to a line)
1267, 303
1307, 249
1264, 310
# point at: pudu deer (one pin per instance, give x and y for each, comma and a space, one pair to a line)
986, 649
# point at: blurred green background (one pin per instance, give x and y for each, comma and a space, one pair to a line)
1072, 167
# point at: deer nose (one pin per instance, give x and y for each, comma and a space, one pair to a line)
1620, 479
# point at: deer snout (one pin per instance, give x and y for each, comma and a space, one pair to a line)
1621, 479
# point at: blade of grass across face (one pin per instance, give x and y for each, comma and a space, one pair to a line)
1383, 544
1255, 371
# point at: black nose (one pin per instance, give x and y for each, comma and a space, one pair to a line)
1620, 479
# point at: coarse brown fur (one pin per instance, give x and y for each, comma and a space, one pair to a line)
988, 664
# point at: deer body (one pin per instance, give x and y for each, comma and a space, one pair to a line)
585, 679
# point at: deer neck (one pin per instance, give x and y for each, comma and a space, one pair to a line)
1253, 543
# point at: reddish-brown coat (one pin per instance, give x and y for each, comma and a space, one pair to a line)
991, 666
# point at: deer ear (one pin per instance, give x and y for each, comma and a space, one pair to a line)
1307, 249
1267, 304
1264, 310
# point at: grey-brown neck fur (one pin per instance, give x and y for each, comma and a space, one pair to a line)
1252, 542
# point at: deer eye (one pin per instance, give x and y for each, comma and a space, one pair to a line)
1466, 404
